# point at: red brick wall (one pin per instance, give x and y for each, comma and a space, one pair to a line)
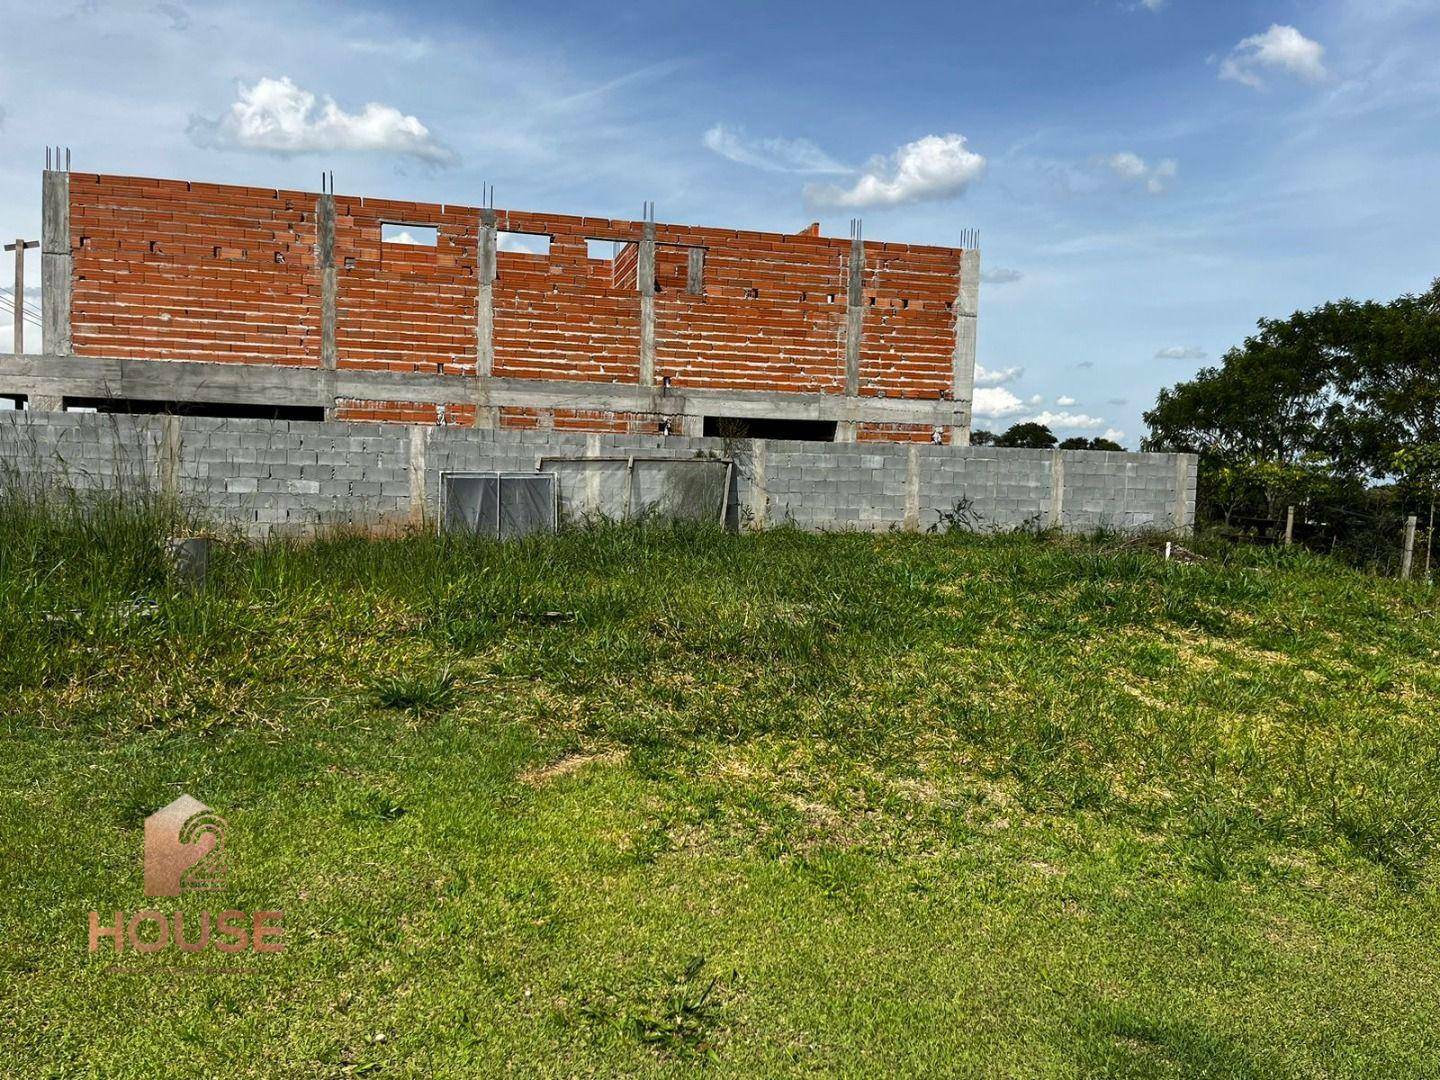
405, 307
175, 269
166, 268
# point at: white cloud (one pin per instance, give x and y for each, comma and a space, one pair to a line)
1114, 434
1153, 5
1133, 169
773, 154
1065, 401
935, 167
1181, 352
404, 49
1000, 276
1067, 421
507, 241
997, 376
1280, 49
276, 116
993, 403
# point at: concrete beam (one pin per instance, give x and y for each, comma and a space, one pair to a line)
967, 312
272, 384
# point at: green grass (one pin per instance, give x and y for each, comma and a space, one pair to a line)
647, 801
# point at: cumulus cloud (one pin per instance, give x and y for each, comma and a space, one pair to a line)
995, 403
276, 116
1065, 401
1000, 276
996, 376
1067, 421
1133, 169
1281, 49
1181, 352
1114, 434
935, 167
773, 154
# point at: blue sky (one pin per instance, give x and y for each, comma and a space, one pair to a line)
1148, 177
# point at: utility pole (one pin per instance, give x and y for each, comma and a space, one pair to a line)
19, 247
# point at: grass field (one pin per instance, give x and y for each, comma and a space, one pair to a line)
650, 801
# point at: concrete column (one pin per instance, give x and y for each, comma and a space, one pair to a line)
1056, 518
419, 445
56, 264
695, 272
759, 496
967, 310
168, 464
486, 416
57, 279
645, 285
592, 480
912, 491
854, 311
1183, 463
329, 287
846, 431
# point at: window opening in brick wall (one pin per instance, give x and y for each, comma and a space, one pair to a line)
523, 243
394, 232
602, 250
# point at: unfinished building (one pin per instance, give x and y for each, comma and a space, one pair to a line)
172, 295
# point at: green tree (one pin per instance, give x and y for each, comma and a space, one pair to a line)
1079, 442
982, 438
1028, 435
1351, 383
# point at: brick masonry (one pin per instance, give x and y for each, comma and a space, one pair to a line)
168, 269
267, 476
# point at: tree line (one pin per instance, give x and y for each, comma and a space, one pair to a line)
1335, 410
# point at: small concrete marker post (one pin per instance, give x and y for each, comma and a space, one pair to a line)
912, 490
20, 247
1407, 548
1289, 526
189, 559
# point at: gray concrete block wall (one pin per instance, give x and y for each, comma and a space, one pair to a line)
290, 476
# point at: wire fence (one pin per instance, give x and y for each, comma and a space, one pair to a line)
1391, 541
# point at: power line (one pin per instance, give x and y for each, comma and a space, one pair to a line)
30, 311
